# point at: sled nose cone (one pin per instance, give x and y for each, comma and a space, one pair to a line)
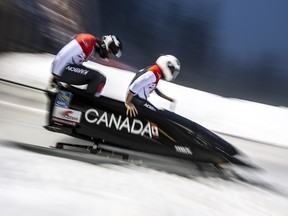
244, 161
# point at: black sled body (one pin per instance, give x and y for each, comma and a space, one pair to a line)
159, 132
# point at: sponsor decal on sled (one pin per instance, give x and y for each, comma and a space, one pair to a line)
67, 114
183, 149
63, 122
63, 99
111, 120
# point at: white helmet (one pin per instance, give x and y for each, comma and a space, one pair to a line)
110, 43
169, 65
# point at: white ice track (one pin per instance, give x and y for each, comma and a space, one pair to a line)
36, 184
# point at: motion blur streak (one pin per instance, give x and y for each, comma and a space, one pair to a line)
230, 48
235, 49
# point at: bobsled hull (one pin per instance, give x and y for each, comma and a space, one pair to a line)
157, 132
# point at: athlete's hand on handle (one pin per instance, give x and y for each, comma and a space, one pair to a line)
131, 110
172, 105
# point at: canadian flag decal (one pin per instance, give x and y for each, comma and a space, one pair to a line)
154, 130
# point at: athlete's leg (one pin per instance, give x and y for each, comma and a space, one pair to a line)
75, 75
80, 75
96, 83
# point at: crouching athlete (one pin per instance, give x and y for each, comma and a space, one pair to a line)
68, 66
146, 81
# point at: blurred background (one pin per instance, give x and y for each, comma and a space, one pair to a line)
232, 48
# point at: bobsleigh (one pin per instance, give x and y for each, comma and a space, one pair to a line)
161, 132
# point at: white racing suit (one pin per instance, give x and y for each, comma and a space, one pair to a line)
67, 65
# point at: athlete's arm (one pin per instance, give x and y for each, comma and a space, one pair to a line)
135, 87
142, 81
78, 58
158, 92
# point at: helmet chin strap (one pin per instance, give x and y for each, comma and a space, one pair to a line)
167, 76
118, 54
103, 51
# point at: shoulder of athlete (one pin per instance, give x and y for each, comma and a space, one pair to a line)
143, 80
85, 36
148, 76
155, 69
87, 40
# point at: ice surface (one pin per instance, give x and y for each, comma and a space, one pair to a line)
36, 184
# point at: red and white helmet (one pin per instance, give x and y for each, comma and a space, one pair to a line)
169, 65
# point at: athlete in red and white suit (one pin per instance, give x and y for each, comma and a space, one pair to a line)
68, 66
146, 81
